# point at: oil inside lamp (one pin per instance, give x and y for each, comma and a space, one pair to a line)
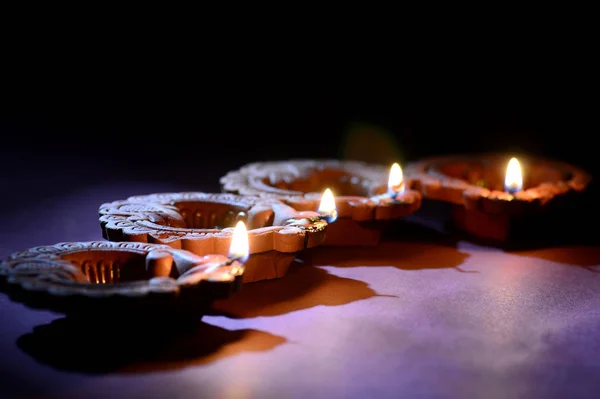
239, 252
327, 208
513, 182
395, 181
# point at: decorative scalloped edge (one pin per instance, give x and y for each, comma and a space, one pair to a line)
43, 268
248, 180
433, 185
135, 219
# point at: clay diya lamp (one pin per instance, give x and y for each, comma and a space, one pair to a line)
367, 199
201, 223
500, 198
122, 281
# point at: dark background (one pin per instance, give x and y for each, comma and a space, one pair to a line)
79, 112
98, 108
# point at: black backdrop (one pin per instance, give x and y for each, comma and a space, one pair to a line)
107, 112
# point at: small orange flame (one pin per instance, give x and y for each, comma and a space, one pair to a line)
513, 181
396, 180
327, 206
239, 248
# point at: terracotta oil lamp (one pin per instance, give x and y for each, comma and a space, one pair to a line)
366, 197
201, 223
125, 281
499, 197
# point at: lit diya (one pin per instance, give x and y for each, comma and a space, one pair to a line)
202, 224
367, 196
497, 196
123, 281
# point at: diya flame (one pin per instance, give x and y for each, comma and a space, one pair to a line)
513, 182
396, 180
327, 207
239, 248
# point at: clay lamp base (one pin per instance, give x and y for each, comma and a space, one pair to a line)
118, 281
501, 203
364, 207
201, 223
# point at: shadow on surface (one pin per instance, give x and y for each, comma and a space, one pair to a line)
302, 287
587, 257
70, 345
408, 247
567, 225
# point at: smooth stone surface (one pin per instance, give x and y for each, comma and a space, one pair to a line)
416, 316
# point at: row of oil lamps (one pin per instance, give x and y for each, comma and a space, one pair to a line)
239, 248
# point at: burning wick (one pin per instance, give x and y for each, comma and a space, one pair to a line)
239, 249
327, 208
513, 182
396, 181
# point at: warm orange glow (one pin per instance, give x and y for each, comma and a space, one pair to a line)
396, 180
239, 248
327, 206
513, 181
